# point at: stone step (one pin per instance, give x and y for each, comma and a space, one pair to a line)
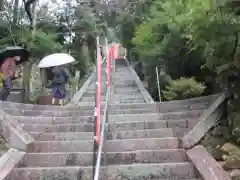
13, 105
92, 104
118, 101
112, 118
92, 93
136, 95
17, 112
87, 116
87, 127
140, 125
179, 108
112, 110
53, 120
114, 98
111, 145
67, 136
157, 110
119, 91
159, 107
112, 126
129, 101
85, 158
156, 116
19, 106
115, 101
180, 132
146, 133
62, 136
125, 86
161, 171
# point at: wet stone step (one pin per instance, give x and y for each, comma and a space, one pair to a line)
162, 171
16, 112
156, 116
194, 115
111, 145
85, 159
137, 134
62, 136
20, 106
112, 126
146, 133
140, 125
88, 127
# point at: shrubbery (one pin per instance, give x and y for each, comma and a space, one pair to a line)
183, 88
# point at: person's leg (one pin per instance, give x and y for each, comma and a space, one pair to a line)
61, 102
4, 93
62, 95
7, 93
53, 100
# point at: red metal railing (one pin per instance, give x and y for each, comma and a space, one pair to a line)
100, 137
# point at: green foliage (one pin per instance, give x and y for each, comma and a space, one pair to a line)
188, 38
183, 88
41, 44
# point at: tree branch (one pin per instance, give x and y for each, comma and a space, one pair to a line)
10, 28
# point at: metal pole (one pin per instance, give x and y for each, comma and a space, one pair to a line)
106, 130
158, 83
114, 72
95, 145
107, 64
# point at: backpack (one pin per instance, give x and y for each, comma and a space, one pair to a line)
60, 78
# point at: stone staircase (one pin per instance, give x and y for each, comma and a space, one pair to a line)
143, 139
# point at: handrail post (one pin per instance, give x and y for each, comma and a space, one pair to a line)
158, 84
103, 136
106, 130
96, 145
114, 75
102, 141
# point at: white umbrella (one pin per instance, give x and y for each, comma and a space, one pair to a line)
55, 59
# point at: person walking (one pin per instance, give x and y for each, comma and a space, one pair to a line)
10, 71
60, 78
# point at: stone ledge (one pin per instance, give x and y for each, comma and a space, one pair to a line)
8, 161
15, 136
206, 121
206, 165
77, 97
146, 96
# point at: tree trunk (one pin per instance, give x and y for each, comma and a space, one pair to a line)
34, 19
26, 79
2, 2
86, 55
28, 66
15, 12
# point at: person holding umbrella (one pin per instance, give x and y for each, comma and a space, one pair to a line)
60, 78
10, 57
10, 71
60, 74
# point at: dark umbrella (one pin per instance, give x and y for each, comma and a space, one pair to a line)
12, 51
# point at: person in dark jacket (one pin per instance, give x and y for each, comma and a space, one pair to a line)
60, 78
10, 71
